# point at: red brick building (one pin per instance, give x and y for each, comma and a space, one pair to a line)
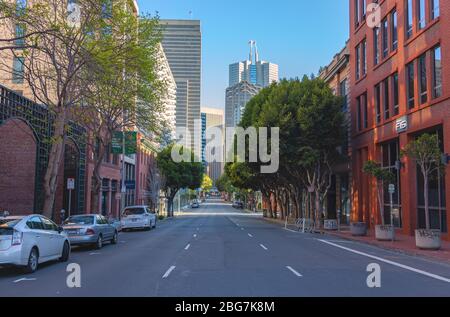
400, 83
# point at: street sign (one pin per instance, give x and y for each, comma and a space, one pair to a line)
71, 183
391, 189
117, 143
130, 143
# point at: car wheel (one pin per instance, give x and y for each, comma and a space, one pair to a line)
33, 261
65, 253
99, 243
115, 238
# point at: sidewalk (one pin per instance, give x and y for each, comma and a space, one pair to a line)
403, 244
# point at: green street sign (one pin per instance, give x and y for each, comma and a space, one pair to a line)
130, 143
117, 143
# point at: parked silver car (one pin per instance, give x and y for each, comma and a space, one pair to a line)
90, 230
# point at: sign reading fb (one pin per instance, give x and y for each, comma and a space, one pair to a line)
401, 124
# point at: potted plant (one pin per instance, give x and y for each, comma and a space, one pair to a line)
426, 151
383, 176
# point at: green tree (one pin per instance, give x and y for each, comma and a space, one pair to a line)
178, 175
207, 183
383, 176
426, 152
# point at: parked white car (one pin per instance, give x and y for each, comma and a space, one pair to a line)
28, 241
138, 217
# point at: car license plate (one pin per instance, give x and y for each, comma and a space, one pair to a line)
134, 220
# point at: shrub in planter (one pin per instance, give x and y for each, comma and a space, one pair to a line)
425, 150
358, 229
383, 232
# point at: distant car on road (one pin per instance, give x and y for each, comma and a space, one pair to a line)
90, 229
238, 205
138, 217
195, 204
28, 241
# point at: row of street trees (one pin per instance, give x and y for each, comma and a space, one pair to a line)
92, 62
312, 133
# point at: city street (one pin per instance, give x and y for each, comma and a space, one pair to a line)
217, 251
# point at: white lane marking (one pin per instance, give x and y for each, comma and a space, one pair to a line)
290, 230
264, 247
242, 229
187, 247
409, 268
24, 280
250, 235
94, 253
166, 275
195, 236
198, 229
294, 271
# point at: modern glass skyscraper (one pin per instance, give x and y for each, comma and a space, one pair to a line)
253, 70
182, 43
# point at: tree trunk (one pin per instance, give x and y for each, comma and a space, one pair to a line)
97, 185
425, 196
379, 193
317, 214
54, 162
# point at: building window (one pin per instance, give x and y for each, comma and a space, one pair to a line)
384, 37
357, 20
410, 85
421, 17
395, 90
343, 94
18, 70
364, 58
394, 30
20, 33
391, 154
409, 18
423, 92
437, 72
362, 112
434, 6
378, 102
376, 51
386, 99
358, 62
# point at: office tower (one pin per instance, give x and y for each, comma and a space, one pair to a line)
214, 119
253, 70
182, 43
237, 97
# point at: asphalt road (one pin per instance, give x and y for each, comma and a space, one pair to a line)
217, 251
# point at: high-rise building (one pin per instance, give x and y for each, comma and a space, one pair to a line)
253, 70
237, 97
169, 99
182, 43
214, 119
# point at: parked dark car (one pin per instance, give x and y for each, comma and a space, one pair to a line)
238, 205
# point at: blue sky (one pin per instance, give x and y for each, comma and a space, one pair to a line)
299, 35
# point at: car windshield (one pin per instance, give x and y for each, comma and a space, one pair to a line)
9, 222
133, 211
80, 220
7, 226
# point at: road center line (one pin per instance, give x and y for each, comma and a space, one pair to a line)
294, 271
166, 275
187, 247
250, 235
264, 247
437, 277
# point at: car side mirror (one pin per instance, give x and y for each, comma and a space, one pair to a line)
60, 229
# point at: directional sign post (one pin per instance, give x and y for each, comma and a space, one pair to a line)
70, 188
391, 195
